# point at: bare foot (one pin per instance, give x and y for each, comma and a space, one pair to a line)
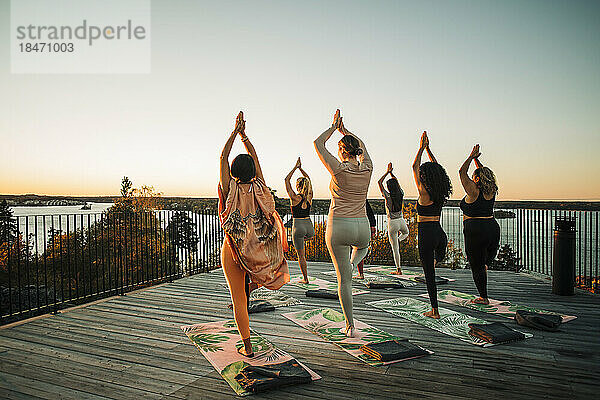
243, 351
359, 276
304, 281
432, 314
399, 272
246, 349
480, 300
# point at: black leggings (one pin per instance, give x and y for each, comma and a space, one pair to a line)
432, 247
482, 239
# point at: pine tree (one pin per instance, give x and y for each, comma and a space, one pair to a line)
8, 224
183, 231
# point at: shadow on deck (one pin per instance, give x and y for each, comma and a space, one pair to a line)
132, 347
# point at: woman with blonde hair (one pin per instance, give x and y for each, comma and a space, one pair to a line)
347, 225
302, 227
481, 230
254, 235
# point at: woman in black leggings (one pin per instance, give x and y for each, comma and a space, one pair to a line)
482, 232
434, 189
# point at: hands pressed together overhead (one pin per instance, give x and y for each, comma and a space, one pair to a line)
338, 123
240, 125
424, 140
475, 153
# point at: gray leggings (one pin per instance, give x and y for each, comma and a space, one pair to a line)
302, 228
341, 236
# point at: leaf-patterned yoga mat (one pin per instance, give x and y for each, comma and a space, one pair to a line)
218, 341
316, 283
380, 278
408, 275
451, 323
503, 308
331, 326
276, 297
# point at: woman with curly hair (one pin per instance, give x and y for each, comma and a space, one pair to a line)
302, 227
347, 224
394, 200
481, 230
254, 235
434, 189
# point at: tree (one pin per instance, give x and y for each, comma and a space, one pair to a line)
8, 224
126, 186
183, 234
124, 204
135, 200
144, 198
14, 249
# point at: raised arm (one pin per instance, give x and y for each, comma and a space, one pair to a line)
478, 163
331, 163
303, 172
224, 175
430, 154
288, 186
380, 181
468, 184
310, 193
250, 149
417, 164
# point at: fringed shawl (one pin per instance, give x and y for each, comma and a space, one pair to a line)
255, 232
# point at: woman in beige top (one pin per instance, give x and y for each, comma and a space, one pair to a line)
347, 225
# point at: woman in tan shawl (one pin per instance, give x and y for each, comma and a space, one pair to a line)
254, 235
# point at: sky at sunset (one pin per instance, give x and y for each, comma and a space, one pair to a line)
521, 78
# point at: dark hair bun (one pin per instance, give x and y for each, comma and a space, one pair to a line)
351, 145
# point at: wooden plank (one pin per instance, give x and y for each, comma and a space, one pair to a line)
134, 343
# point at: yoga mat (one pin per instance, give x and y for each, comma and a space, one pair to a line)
218, 342
408, 275
451, 323
503, 308
331, 326
276, 297
377, 278
316, 283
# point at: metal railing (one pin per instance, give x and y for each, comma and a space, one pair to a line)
49, 262
527, 232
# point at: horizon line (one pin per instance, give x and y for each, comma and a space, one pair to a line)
315, 198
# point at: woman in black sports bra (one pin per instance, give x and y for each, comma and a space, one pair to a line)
481, 230
302, 227
434, 189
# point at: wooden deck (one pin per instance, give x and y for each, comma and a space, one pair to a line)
132, 347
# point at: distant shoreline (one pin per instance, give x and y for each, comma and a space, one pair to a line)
33, 200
